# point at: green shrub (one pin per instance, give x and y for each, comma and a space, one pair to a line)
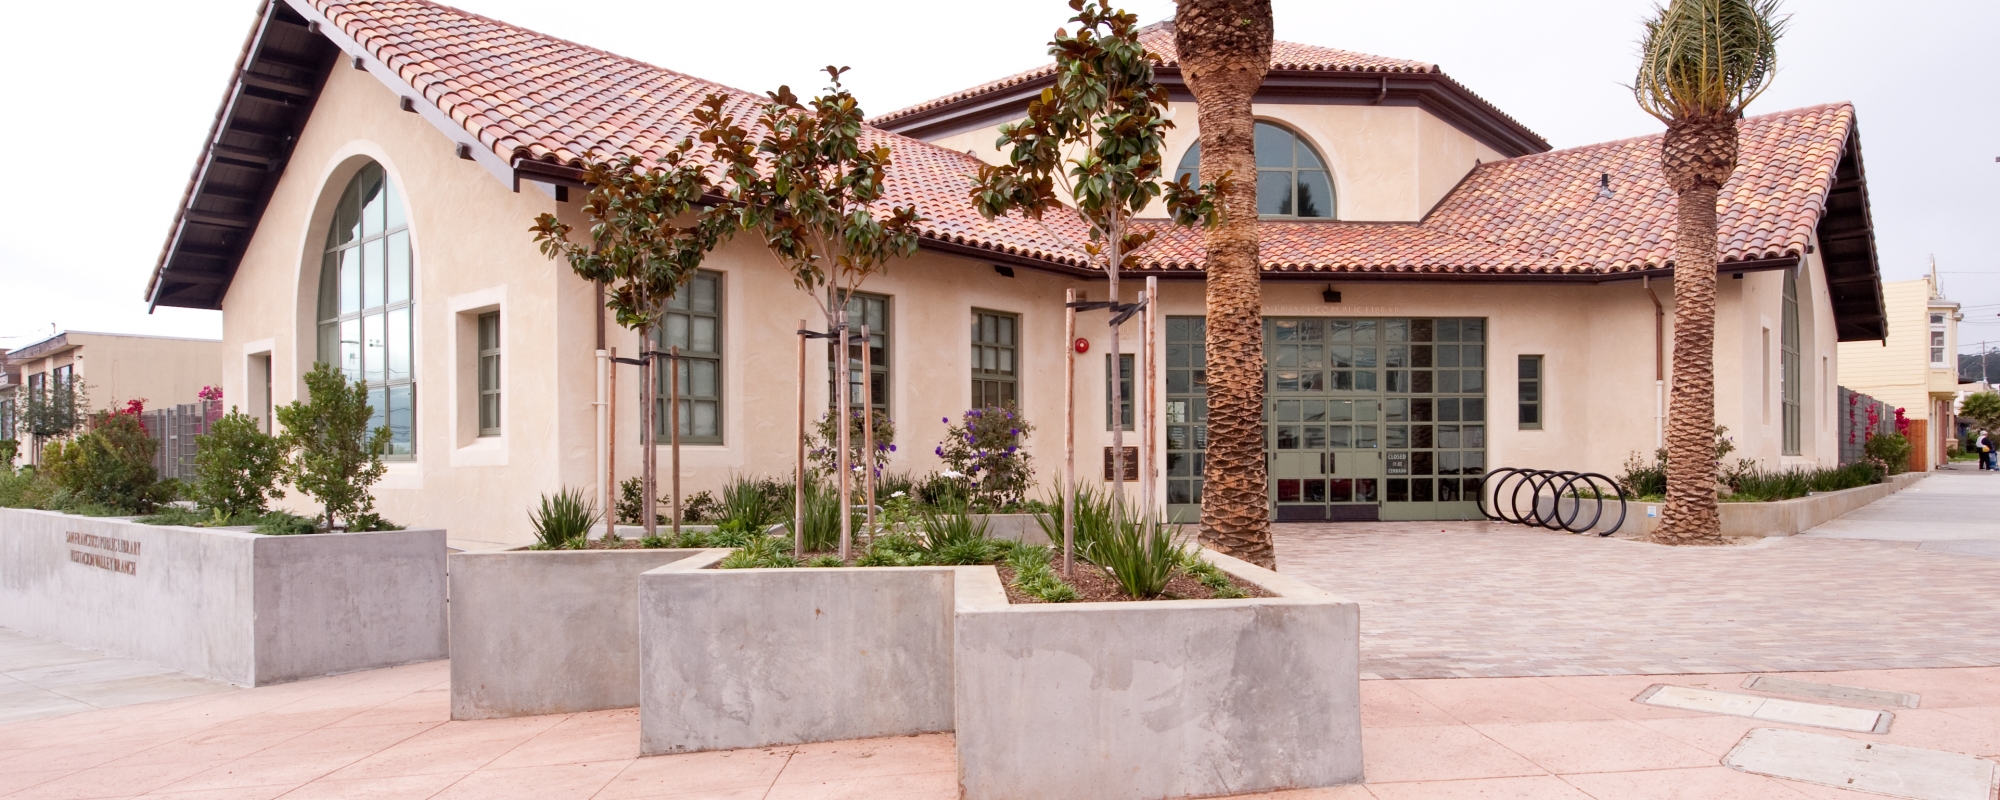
22, 488
1891, 449
177, 515
822, 518
761, 552
988, 447
894, 549
10, 449
563, 517
655, 542
333, 456
1209, 575
747, 502
1034, 575
370, 521
1983, 408
825, 561
698, 507
109, 466
1093, 515
237, 466
1140, 555
286, 523
823, 446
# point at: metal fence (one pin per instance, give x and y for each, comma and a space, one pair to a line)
1860, 413
175, 429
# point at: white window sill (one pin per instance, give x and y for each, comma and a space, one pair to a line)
485, 451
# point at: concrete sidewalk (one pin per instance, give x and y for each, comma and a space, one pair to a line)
1955, 506
387, 734
40, 678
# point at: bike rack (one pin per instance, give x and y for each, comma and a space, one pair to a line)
1506, 485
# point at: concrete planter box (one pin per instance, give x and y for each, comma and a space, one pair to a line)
1014, 528
225, 604
547, 631
749, 658
1782, 517
1156, 699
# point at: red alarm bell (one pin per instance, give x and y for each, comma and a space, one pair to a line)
1082, 345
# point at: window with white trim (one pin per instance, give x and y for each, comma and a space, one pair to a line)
365, 304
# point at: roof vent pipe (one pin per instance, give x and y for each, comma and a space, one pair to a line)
1604, 185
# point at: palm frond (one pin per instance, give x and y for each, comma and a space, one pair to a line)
1707, 58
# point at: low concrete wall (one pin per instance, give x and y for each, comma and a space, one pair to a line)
755, 657
225, 604
1156, 699
548, 631
1021, 528
1782, 517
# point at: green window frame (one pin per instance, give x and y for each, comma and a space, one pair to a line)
1530, 393
995, 359
489, 374
1187, 409
366, 303
872, 310
1125, 389
1292, 180
1788, 367
692, 321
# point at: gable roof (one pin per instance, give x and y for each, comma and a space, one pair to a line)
531, 106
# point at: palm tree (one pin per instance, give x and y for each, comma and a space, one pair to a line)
1225, 50
1700, 64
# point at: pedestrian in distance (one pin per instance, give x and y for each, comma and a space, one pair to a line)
1984, 447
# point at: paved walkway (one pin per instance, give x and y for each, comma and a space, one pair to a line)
40, 678
1477, 599
387, 734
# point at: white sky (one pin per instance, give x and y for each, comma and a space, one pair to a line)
108, 103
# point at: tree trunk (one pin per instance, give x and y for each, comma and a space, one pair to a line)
1698, 156
1225, 49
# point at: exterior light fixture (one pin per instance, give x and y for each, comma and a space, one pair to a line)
1330, 295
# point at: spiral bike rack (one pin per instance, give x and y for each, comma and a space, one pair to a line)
1507, 486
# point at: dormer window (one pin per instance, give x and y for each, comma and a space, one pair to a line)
1292, 180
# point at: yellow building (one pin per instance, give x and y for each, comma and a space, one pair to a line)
113, 368
1915, 367
1443, 294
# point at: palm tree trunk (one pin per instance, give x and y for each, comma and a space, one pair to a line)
1698, 156
1225, 50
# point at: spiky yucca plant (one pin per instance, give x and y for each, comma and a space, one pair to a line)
1700, 63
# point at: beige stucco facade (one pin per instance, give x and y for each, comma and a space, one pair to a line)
473, 253
1916, 367
1388, 163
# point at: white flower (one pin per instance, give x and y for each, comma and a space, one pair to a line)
898, 494
952, 473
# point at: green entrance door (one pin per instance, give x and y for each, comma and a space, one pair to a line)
1366, 418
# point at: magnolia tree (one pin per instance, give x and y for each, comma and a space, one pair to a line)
1095, 138
809, 181
648, 235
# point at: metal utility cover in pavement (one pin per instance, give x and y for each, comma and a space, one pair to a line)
1863, 766
1829, 691
1769, 709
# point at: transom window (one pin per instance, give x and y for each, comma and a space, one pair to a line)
365, 303
693, 323
1292, 180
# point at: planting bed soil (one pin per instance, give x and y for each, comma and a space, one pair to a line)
1094, 586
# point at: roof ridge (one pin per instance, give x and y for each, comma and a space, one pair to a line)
1849, 104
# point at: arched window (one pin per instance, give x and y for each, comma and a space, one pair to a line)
1291, 179
364, 303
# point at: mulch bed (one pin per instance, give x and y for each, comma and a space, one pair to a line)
1093, 585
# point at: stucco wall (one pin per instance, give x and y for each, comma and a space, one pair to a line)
116, 368
1389, 163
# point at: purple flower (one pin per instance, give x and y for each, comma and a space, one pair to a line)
1014, 432
947, 420
892, 448
1011, 449
940, 451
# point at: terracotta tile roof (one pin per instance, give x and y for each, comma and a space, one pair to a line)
1543, 214
1159, 38
531, 96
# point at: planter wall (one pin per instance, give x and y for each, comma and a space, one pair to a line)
1014, 528
755, 657
1782, 517
1160, 699
547, 631
225, 604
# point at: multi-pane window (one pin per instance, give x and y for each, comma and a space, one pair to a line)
1437, 425
365, 303
489, 374
1788, 366
873, 311
1529, 372
1937, 340
1124, 390
1187, 408
1292, 180
995, 375
693, 323
7, 423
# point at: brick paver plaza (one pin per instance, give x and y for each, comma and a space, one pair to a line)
1464, 599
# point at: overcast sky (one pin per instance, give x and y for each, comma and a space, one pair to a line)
108, 102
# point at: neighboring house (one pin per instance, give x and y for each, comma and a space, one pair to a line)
114, 368
1915, 367
1443, 295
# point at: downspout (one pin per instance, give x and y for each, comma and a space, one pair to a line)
1659, 364
603, 406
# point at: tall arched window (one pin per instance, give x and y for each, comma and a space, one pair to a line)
364, 303
1292, 180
